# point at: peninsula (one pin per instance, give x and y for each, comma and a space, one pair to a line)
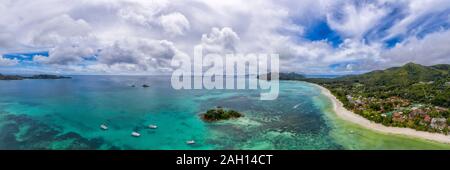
411, 100
40, 76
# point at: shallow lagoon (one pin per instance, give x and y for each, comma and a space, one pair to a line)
67, 113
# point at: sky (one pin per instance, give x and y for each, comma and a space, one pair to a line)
144, 36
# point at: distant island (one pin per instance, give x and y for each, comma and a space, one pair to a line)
283, 76
412, 96
217, 114
40, 76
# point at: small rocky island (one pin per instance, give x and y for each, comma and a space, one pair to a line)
47, 76
6, 77
220, 114
40, 76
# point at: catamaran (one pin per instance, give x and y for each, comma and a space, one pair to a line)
103, 127
135, 134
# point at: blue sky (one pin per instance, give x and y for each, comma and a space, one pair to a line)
25, 56
320, 30
143, 37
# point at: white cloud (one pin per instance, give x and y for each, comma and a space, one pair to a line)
432, 49
154, 17
67, 31
417, 9
140, 12
174, 23
143, 36
316, 57
58, 29
5, 40
139, 54
354, 20
8, 62
220, 40
70, 50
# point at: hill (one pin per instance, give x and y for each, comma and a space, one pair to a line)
424, 84
283, 76
40, 76
412, 95
406, 75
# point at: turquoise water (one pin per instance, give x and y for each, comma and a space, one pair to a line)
67, 113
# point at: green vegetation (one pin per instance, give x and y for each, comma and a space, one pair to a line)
41, 76
5, 77
220, 114
414, 82
283, 76
46, 76
412, 96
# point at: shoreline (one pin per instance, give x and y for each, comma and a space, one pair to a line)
347, 115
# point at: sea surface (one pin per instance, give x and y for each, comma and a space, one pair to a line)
67, 114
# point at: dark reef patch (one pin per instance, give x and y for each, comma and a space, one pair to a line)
287, 123
23, 132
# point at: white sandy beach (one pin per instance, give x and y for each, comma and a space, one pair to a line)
355, 118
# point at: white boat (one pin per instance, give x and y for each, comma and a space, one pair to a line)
152, 126
135, 134
103, 127
190, 142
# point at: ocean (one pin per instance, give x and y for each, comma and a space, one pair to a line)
67, 114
